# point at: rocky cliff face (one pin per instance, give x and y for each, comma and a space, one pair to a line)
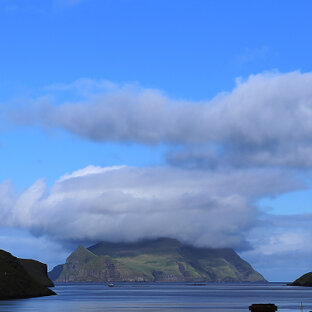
38, 271
16, 282
161, 260
55, 272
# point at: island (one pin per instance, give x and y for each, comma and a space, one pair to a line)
159, 260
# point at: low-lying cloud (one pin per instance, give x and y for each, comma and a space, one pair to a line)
127, 203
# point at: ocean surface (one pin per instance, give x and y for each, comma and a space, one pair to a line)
149, 297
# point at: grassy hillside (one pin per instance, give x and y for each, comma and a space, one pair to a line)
161, 260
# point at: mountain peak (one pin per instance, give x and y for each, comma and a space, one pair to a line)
81, 254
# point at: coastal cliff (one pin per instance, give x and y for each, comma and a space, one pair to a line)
21, 279
38, 271
161, 260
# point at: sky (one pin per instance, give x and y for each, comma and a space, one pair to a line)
124, 120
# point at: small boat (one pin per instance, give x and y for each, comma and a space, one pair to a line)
111, 285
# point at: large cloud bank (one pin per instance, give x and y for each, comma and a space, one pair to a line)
264, 121
128, 203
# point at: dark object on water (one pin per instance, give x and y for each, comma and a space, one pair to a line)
268, 307
111, 285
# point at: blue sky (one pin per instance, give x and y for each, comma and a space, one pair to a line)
211, 96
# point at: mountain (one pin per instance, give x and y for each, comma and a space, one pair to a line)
161, 260
22, 278
304, 280
55, 272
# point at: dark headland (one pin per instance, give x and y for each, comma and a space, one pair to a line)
304, 280
23, 278
160, 260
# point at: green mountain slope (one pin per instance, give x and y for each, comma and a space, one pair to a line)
161, 260
16, 282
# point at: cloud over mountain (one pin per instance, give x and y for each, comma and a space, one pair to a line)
128, 203
223, 155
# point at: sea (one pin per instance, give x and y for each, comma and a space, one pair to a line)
171, 297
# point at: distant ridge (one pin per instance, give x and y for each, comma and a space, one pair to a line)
160, 260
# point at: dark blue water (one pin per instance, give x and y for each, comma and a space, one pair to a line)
164, 297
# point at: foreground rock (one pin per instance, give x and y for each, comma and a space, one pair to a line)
16, 282
161, 260
304, 280
38, 271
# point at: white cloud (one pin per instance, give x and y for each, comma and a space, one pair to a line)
128, 203
264, 121
87, 171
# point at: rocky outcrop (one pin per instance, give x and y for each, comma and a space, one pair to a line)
161, 260
304, 280
38, 271
16, 282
